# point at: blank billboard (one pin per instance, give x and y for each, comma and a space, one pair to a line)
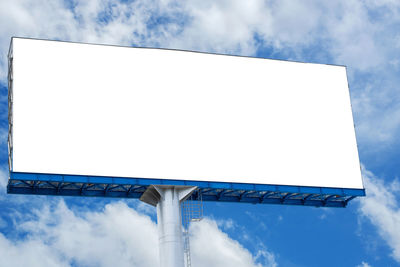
112, 111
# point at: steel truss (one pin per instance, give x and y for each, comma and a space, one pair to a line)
97, 186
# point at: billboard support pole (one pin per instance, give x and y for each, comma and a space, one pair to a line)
167, 199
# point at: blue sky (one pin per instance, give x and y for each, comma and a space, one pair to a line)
364, 35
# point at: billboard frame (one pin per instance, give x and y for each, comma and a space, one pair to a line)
121, 187
124, 187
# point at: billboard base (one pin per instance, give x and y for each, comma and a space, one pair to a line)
168, 200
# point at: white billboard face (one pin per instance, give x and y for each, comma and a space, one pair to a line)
153, 113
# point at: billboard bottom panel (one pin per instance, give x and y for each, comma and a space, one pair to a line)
117, 187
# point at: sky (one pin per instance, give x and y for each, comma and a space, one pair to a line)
364, 35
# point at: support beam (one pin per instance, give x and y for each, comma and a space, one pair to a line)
167, 199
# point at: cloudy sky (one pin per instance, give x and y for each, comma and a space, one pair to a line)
364, 35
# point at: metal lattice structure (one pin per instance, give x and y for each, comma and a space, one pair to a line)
10, 109
186, 248
192, 211
95, 186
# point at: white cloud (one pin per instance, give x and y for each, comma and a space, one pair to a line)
226, 224
382, 209
364, 264
55, 235
117, 236
223, 26
35, 254
212, 247
353, 36
380, 128
3, 176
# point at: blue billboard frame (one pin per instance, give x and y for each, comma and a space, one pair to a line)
120, 187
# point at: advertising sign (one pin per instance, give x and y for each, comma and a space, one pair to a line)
108, 111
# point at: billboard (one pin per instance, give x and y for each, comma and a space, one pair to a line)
108, 111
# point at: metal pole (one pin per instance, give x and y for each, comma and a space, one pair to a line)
167, 199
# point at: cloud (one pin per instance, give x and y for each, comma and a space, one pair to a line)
3, 177
382, 209
56, 235
353, 34
226, 224
376, 107
117, 236
364, 264
222, 26
212, 247
36, 254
